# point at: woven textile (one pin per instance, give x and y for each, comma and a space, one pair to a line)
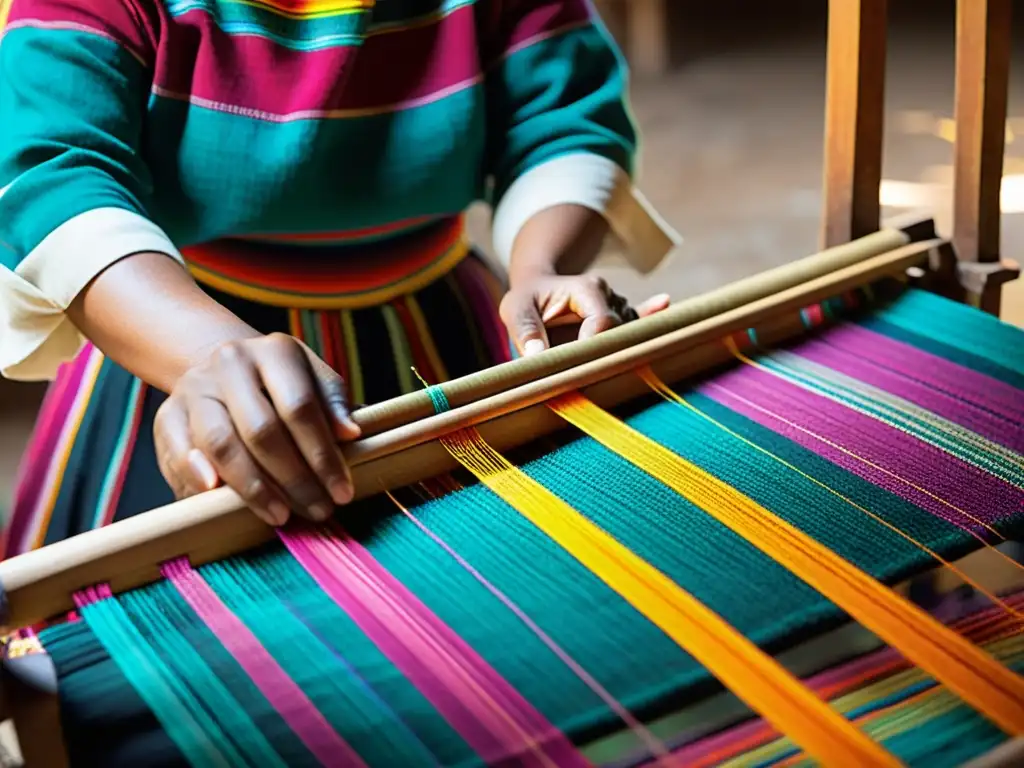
442, 627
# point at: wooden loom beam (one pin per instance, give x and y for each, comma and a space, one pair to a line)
215, 525
983, 38
854, 110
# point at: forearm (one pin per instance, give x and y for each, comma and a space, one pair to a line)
564, 239
147, 314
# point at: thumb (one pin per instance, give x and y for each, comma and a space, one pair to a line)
525, 325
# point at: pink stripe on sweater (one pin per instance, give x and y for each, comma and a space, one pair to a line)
336, 81
483, 707
283, 694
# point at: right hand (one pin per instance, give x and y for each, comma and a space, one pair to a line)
263, 416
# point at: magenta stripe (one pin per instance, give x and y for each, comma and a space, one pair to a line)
952, 408
42, 448
931, 370
115, 21
281, 80
540, 20
283, 693
486, 710
482, 304
768, 400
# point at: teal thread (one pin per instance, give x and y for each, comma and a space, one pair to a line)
154, 619
179, 712
438, 399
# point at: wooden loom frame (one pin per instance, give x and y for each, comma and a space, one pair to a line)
506, 403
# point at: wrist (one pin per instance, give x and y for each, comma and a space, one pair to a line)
562, 240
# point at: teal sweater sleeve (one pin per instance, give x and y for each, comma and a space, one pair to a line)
556, 85
72, 100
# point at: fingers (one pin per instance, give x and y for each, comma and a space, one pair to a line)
519, 313
299, 400
654, 305
183, 466
263, 416
590, 300
263, 429
215, 435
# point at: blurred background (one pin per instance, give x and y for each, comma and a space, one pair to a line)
732, 146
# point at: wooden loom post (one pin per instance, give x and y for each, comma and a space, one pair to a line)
983, 37
854, 109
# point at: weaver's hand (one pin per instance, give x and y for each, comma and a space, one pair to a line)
262, 415
538, 303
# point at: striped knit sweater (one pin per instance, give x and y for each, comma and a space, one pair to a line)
155, 125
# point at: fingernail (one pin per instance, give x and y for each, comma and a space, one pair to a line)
344, 420
340, 489
533, 346
321, 512
204, 470
662, 298
279, 511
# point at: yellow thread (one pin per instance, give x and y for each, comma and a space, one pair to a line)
423, 330
655, 383
740, 356
967, 670
752, 674
355, 371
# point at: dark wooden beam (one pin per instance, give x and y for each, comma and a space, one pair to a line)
854, 110
983, 38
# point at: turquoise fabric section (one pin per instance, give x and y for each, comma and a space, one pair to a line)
560, 95
69, 131
159, 624
400, 720
317, 668
957, 325
423, 161
179, 711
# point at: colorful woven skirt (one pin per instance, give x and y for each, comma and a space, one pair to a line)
91, 459
586, 600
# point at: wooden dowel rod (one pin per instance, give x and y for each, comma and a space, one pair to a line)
412, 407
214, 525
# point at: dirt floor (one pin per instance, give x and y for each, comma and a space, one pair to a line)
732, 152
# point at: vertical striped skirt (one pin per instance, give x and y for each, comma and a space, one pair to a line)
91, 459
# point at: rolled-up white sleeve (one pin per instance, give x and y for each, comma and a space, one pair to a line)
76, 193
36, 336
594, 182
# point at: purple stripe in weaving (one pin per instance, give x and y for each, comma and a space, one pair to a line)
491, 715
35, 464
934, 371
283, 693
950, 407
772, 402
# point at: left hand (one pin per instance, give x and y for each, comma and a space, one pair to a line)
535, 304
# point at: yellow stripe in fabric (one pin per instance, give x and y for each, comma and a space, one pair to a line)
429, 348
399, 349
355, 372
975, 676
750, 673
652, 380
5, 10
